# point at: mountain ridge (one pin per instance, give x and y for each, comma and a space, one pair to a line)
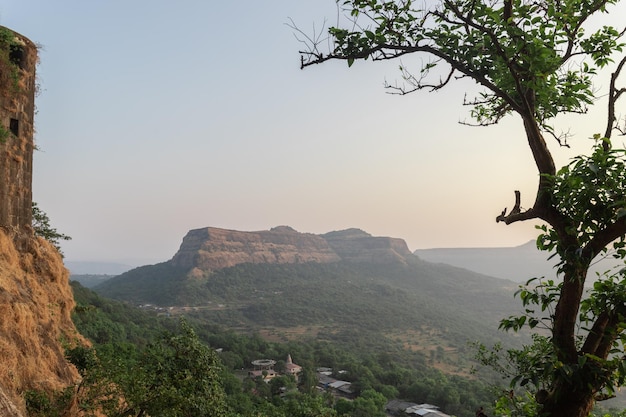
210, 248
365, 289
517, 263
241, 271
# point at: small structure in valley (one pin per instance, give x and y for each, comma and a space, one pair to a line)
291, 368
263, 368
403, 408
336, 387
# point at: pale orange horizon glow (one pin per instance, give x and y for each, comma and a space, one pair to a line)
157, 118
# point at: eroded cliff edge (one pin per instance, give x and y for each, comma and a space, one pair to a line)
210, 248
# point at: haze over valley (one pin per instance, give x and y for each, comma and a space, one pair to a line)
347, 288
201, 221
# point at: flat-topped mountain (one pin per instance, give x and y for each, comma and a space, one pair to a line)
338, 285
205, 251
211, 262
210, 248
355, 245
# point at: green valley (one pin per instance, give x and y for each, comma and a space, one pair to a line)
389, 321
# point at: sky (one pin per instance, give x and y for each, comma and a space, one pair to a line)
156, 117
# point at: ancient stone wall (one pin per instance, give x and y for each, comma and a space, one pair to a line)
18, 59
35, 297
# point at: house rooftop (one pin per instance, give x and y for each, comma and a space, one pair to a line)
338, 384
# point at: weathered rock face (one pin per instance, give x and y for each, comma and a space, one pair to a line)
7, 407
358, 246
211, 248
35, 305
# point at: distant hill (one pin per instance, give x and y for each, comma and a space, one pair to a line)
90, 280
519, 263
340, 285
96, 268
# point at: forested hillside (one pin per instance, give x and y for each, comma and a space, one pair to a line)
378, 370
425, 304
395, 324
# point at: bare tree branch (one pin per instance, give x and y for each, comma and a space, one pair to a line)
516, 213
418, 82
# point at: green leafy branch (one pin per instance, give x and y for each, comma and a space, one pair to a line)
41, 226
539, 293
591, 192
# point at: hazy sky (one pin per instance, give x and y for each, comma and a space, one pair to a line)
157, 117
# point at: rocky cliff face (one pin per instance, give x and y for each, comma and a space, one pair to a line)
211, 248
35, 306
358, 246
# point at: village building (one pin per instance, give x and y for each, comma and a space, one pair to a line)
263, 368
336, 387
325, 371
408, 409
291, 368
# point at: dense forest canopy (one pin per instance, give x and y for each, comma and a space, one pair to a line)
123, 335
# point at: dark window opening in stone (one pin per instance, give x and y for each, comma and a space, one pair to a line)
17, 56
14, 127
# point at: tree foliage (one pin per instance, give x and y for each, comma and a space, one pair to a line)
43, 228
535, 59
120, 332
174, 377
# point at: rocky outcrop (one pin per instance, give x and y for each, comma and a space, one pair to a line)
35, 305
7, 407
355, 245
210, 248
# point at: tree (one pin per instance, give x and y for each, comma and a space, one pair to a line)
176, 376
307, 381
344, 407
369, 404
535, 59
41, 226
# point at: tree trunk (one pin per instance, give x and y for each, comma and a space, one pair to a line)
575, 398
568, 403
566, 314
566, 311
